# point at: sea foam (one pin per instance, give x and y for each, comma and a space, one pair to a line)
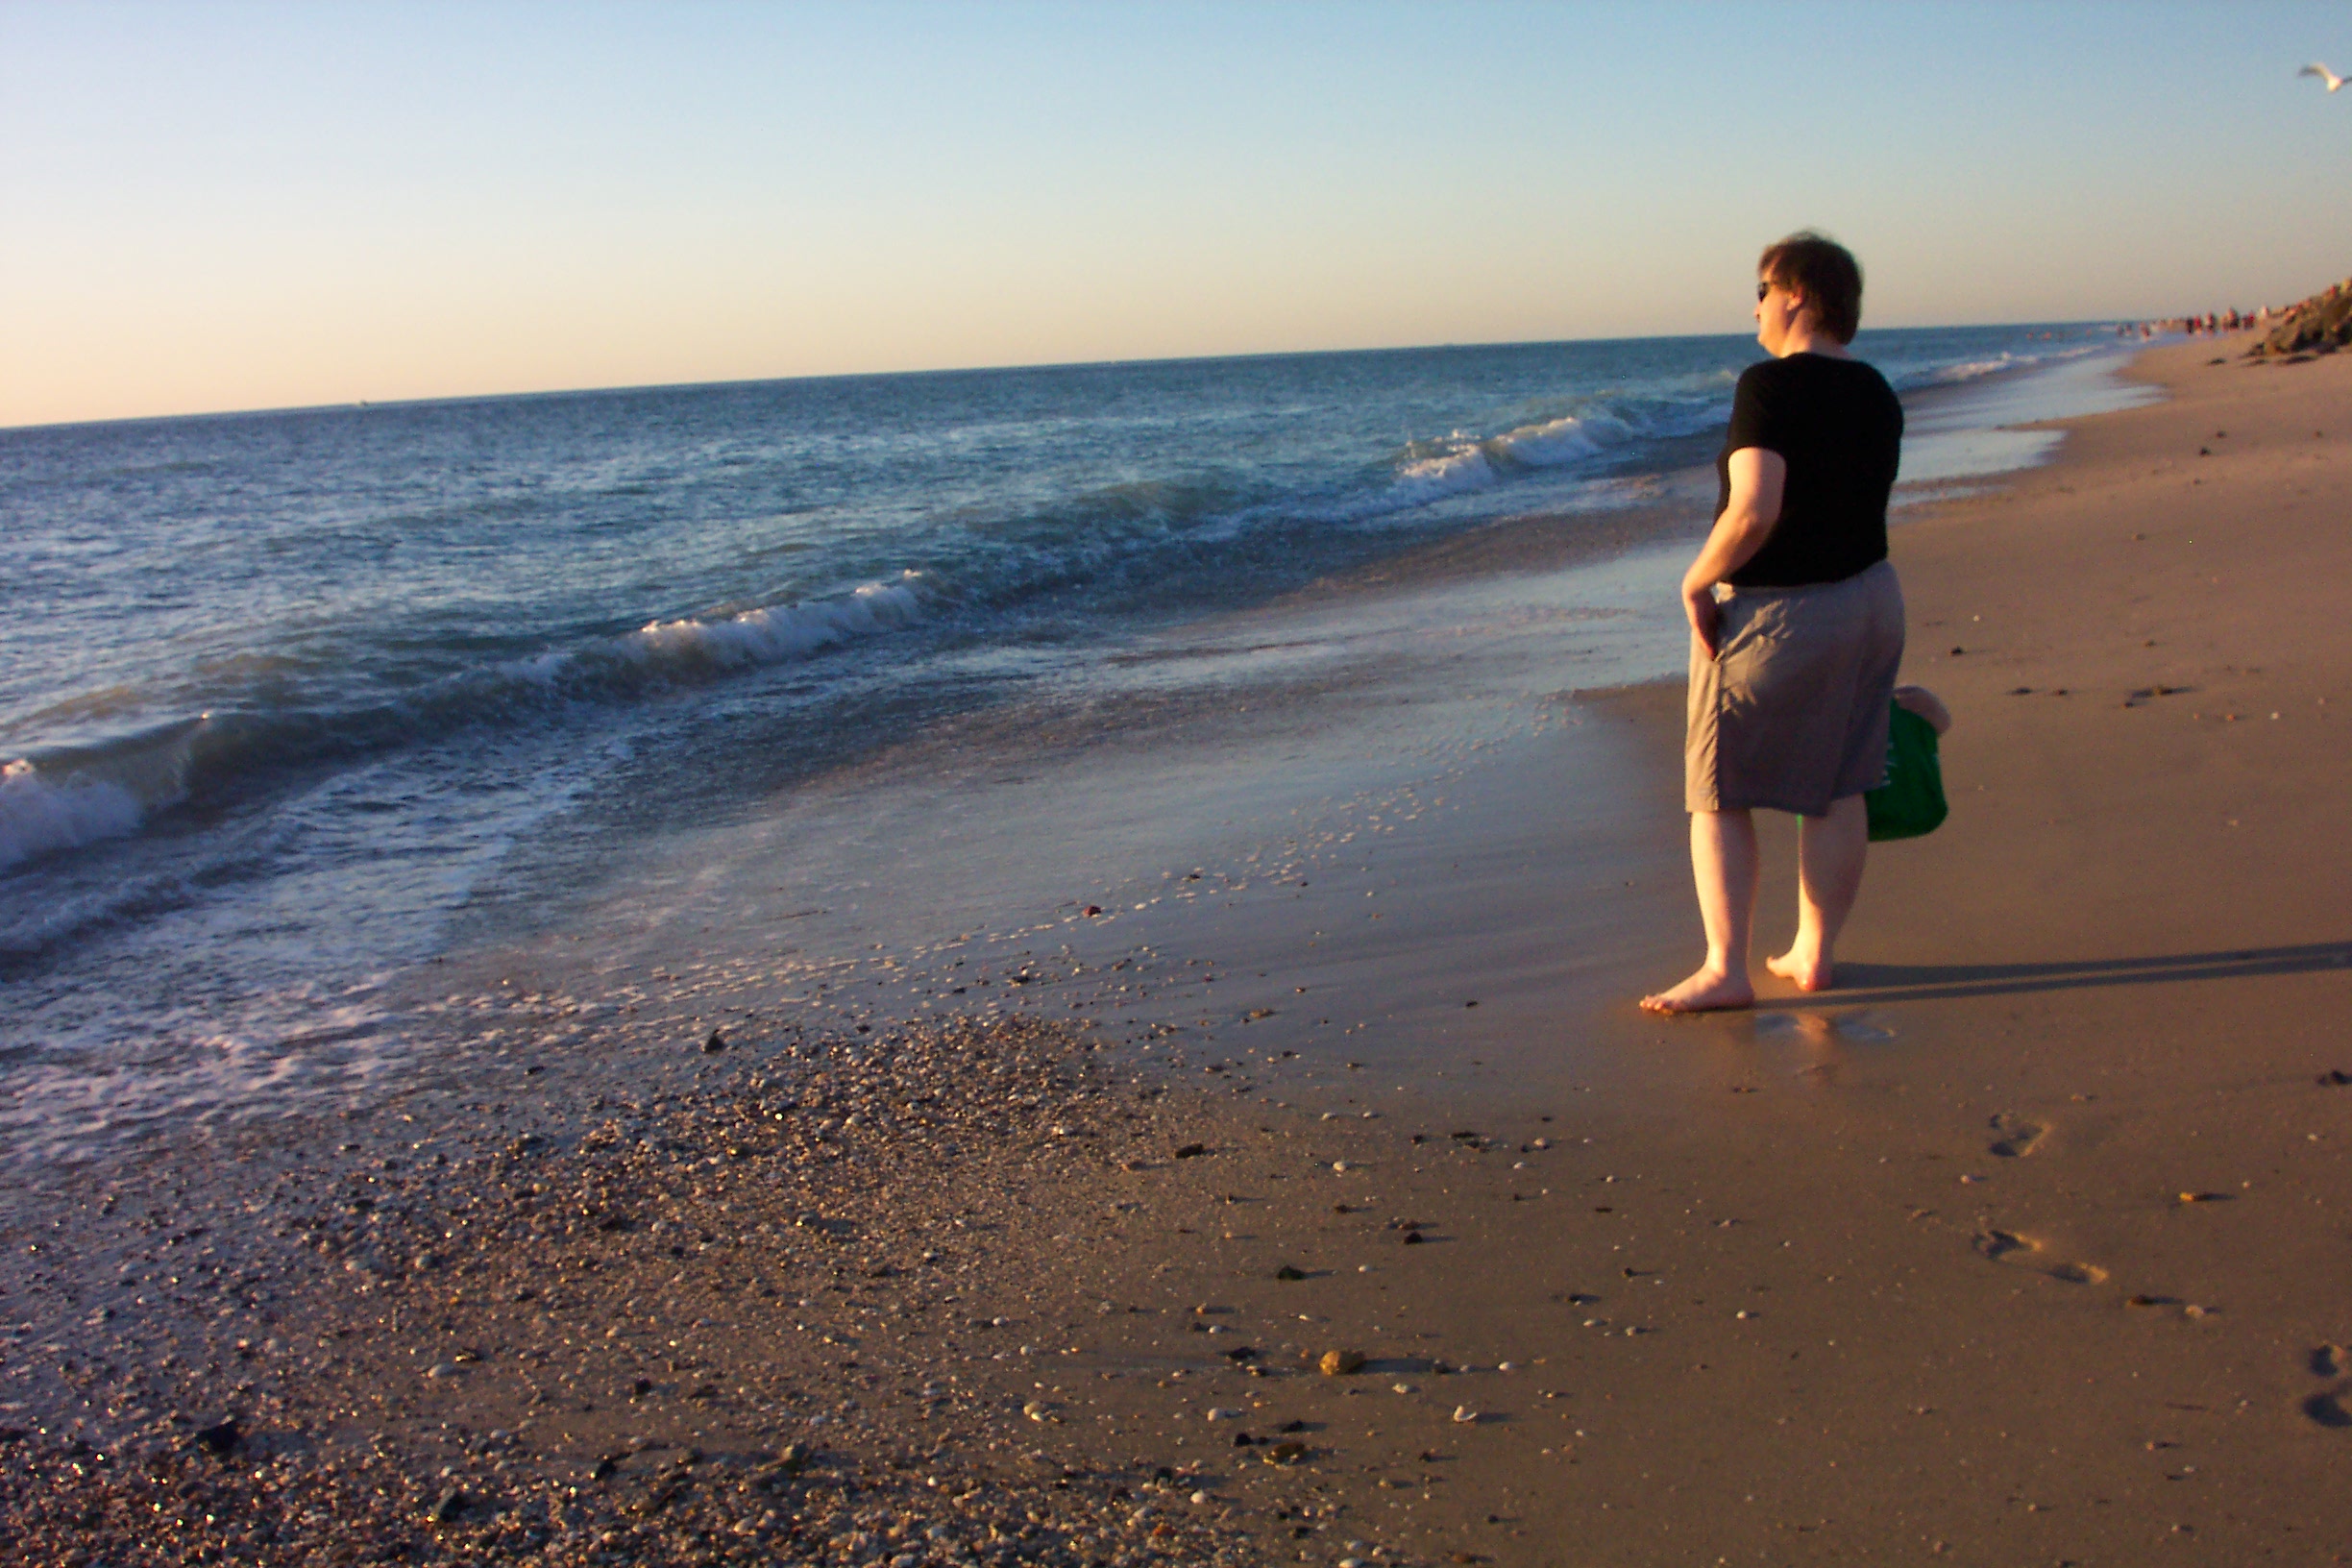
79, 796
764, 636
1462, 463
39, 816
2007, 360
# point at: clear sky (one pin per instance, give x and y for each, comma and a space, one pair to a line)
214, 206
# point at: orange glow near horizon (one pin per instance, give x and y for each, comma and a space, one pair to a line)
215, 209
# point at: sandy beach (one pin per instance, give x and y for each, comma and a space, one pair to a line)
1341, 1207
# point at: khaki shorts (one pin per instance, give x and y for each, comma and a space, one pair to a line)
1791, 714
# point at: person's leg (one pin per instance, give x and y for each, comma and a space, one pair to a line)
1724, 864
1829, 854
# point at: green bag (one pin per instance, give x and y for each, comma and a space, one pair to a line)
1911, 800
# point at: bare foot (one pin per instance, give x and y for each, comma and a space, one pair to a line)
1703, 991
1807, 974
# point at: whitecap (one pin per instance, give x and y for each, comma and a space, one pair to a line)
764, 636
39, 816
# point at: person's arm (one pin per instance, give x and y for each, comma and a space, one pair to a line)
1758, 476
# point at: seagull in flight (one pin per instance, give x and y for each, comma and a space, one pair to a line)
2314, 68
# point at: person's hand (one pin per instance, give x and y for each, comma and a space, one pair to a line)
1706, 615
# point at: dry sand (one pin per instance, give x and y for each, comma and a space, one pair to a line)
2032, 1242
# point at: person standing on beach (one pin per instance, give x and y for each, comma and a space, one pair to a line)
1797, 625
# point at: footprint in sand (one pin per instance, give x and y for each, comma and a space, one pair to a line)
1822, 1028
2327, 1408
2009, 1247
1814, 1027
2000, 1244
2013, 1135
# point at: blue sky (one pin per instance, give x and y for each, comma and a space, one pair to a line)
217, 206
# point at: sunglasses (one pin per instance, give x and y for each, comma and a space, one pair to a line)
1762, 289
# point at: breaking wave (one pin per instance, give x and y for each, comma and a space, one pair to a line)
761, 636
70, 798
40, 815
67, 798
1461, 463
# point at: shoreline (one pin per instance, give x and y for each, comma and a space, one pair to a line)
1975, 1316
219, 935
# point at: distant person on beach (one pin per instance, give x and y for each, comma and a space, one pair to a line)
1797, 625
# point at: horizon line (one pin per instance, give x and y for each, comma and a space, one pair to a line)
357, 404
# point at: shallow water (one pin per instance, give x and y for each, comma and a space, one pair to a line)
294, 702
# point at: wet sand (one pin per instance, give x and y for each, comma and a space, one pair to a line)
2028, 1242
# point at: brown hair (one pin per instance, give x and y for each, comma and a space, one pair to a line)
1824, 273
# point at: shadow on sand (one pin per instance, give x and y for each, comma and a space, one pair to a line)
1943, 982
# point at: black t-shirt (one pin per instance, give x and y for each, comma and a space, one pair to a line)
1839, 427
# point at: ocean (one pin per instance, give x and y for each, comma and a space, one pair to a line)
294, 702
